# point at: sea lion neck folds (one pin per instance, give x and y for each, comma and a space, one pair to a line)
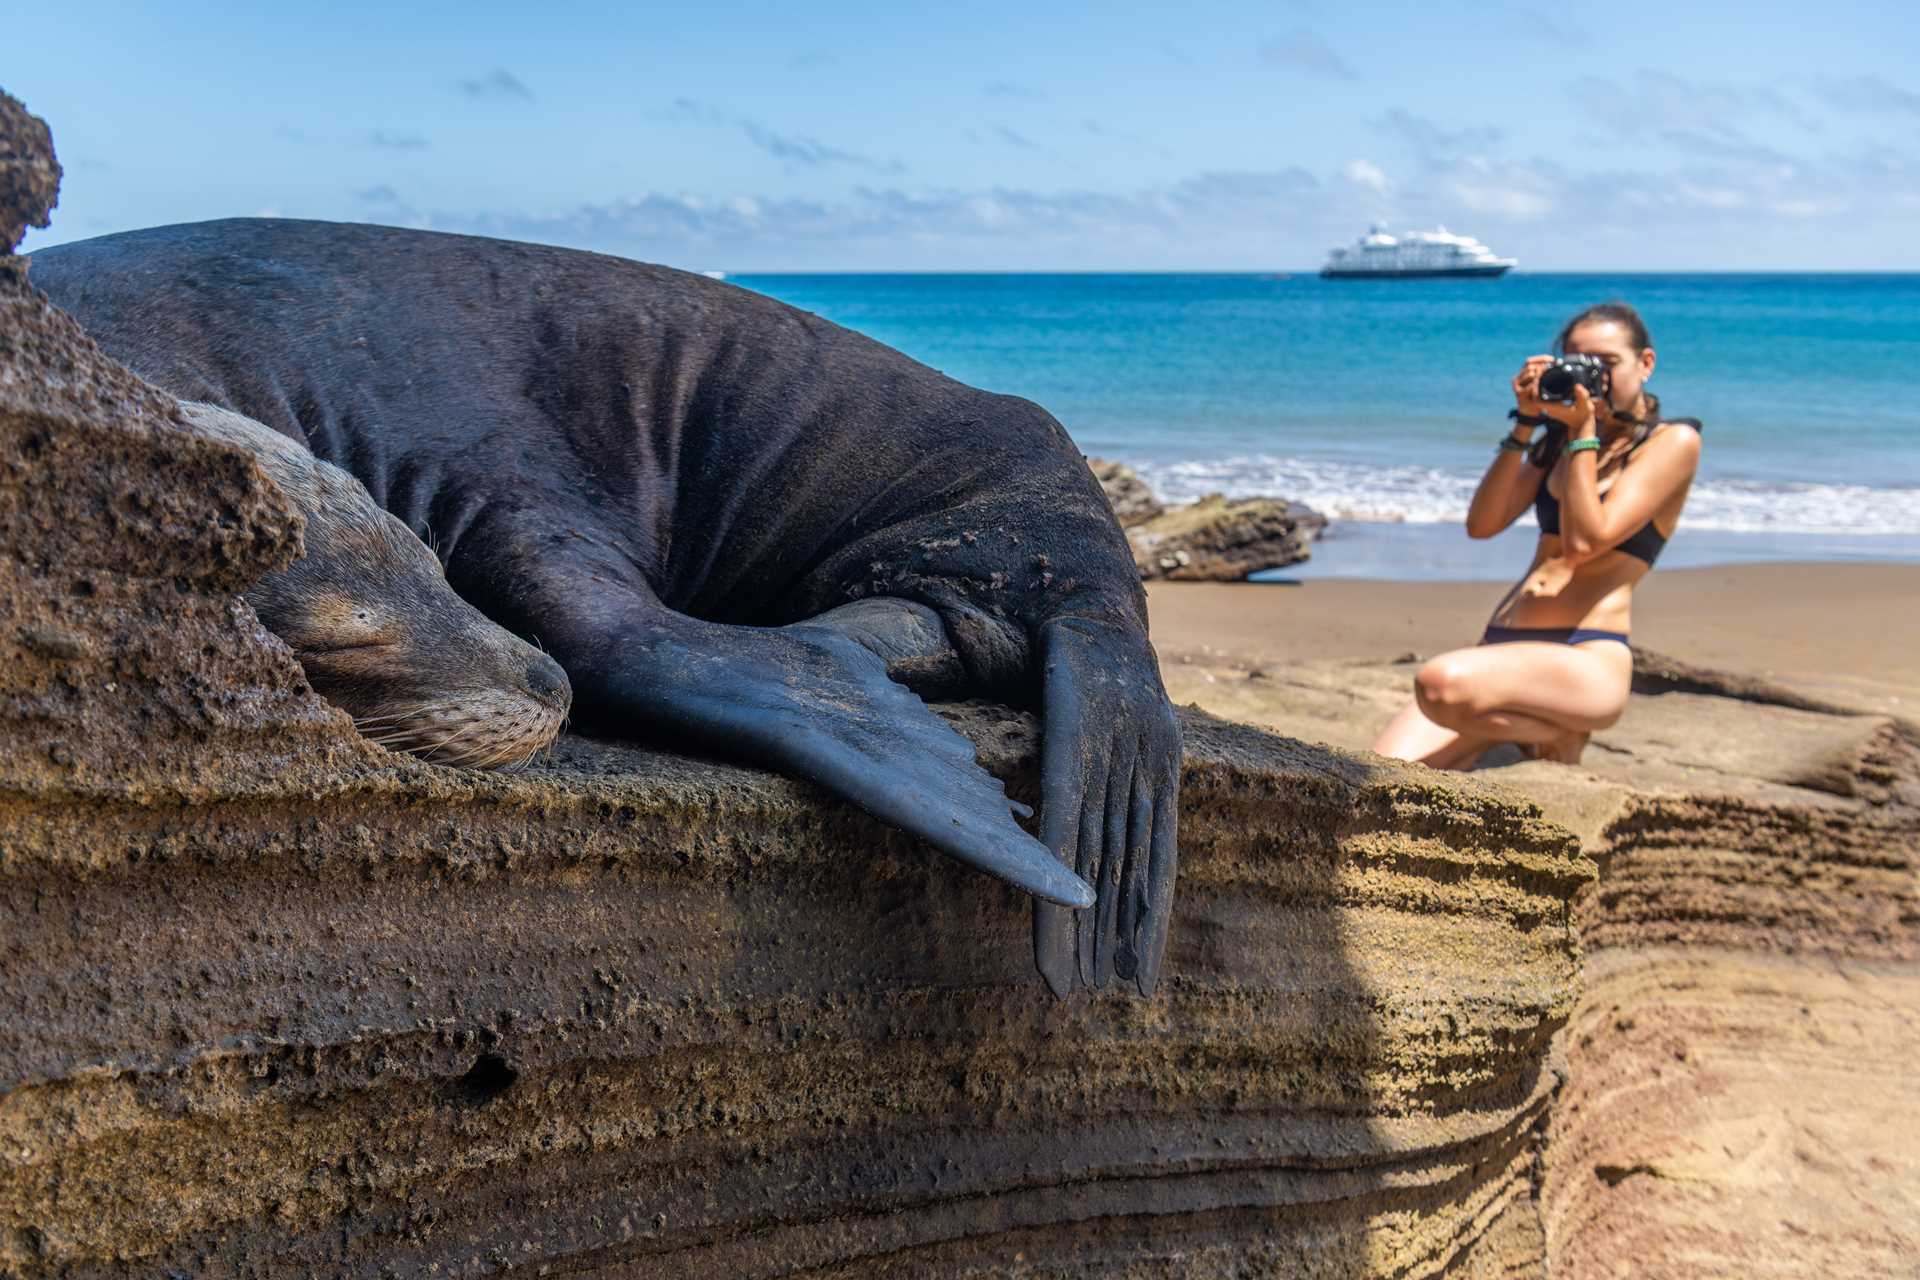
679, 487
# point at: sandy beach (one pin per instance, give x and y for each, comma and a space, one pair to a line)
1847, 632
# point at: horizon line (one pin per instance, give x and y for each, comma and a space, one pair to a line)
1285, 272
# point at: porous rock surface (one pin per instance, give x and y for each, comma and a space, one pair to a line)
29, 175
275, 1002
1213, 540
1741, 1098
1218, 539
1132, 501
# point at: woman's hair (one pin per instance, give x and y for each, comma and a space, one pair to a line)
1622, 314
1618, 312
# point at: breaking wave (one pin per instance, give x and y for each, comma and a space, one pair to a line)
1355, 491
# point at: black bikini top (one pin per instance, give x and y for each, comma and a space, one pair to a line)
1646, 542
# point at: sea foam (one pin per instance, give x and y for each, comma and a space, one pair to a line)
1415, 494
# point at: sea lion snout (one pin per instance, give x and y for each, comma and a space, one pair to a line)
378, 630
547, 681
473, 694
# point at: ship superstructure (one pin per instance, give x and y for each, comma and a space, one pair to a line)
1417, 253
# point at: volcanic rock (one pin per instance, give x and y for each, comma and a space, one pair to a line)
1217, 539
29, 175
1132, 501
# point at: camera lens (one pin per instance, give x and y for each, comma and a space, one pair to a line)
1558, 379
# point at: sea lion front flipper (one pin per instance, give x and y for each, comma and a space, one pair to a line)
908, 636
1110, 796
814, 703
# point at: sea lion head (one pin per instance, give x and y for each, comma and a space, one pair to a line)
379, 631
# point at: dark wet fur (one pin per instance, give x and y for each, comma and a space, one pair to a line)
668, 481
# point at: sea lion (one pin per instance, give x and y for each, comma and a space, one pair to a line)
379, 633
735, 524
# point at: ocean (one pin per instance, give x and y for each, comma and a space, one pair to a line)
1379, 402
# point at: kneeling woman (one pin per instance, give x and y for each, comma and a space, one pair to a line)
1607, 481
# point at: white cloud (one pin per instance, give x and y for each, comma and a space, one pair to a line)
1688, 212
1502, 201
1802, 207
1364, 173
1711, 197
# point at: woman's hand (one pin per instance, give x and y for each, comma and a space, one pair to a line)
1526, 389
1578, 417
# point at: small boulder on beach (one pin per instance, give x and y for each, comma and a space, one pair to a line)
1132, 501
1216, 539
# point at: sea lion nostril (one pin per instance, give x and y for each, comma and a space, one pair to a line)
545, 679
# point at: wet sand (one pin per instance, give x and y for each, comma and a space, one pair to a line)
1848, 631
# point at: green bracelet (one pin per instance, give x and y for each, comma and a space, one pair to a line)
1583, 444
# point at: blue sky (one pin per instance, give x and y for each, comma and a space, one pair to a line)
991, 136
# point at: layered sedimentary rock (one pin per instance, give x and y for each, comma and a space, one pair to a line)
1741, 1098
275, 1002
632, 1011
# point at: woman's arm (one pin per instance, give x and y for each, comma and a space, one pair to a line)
1510, 481
1665, 467
1504, 492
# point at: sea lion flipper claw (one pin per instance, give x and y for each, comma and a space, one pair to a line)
813, 703
1109, 802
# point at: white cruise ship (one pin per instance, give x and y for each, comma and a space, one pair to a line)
1418, 253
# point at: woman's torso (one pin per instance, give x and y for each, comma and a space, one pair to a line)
1597, 594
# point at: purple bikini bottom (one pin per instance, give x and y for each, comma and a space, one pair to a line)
1551, 635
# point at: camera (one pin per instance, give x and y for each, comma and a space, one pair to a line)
1558, 379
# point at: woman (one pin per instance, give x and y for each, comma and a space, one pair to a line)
1607, 481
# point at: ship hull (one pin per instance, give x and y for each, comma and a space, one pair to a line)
1413, 273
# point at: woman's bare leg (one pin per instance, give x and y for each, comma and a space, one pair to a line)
1566, 751
1546, 696
1411, 736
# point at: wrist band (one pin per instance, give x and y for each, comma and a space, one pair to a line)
1583, 444
1514, 444
1529, 419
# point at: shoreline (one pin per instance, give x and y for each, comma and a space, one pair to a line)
1435, 551
1846, 632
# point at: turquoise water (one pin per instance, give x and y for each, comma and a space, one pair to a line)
1381, 401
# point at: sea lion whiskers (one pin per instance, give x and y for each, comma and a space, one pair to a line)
501, 754
365, 723
466, 730
511, 741
428, 738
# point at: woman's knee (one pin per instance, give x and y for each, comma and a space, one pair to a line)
1609, 716
1605, 690
1445, 684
